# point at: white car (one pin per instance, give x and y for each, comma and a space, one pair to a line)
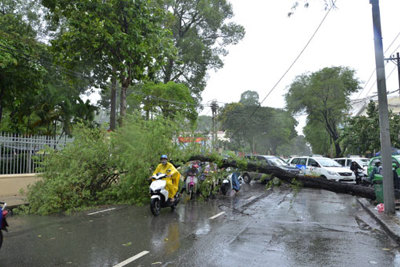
323, 167
362, 162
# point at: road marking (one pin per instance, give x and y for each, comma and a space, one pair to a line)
215, 216
101, 211
127, 261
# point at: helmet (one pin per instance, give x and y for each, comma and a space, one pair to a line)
164, 157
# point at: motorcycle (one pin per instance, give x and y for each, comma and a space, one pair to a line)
232, 182
159, 195
191, 184
3, 226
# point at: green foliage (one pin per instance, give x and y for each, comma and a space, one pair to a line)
118, 38
75, 176
317, 137
168, 99
257, 129
324, 96
250, 98
102, 168
201, 30
204, 124
274, 182
35, 95
361, 134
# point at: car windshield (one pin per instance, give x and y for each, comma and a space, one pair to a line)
277, 162
325, 162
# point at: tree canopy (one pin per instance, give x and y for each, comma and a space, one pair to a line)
167, 99
201, 32
265, 129
361, 133
122, 39
35, 96
324, 97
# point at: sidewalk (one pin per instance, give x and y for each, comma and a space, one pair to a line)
11, 186
391, 224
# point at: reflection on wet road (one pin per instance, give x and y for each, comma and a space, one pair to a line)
253, 228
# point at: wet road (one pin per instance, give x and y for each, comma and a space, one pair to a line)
254, 228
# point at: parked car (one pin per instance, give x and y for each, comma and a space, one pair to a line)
268, 160
346, 162
323, 167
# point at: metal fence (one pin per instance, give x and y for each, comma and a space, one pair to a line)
23, 154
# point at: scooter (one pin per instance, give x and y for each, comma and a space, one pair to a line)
3, 222
231, 183
191, 184
159, 195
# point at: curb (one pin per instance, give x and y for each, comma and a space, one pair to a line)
388, 222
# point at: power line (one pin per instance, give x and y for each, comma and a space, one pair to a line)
290, 67
365, 86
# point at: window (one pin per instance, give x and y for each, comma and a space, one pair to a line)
302, 161
294, 161
341, 161
312, 162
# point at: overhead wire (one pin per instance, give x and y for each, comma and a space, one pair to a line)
290, 66
370, 77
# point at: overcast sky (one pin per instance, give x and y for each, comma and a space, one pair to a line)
273, 41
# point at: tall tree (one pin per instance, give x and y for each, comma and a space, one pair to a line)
266, 130
122, 39
201, 33
324, 96
250, 98
35, 97
21, 72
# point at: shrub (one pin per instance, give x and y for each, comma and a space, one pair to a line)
103, 168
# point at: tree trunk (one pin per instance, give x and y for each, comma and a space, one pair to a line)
168, 70
321, 183
338, 150
113, 110
122, 112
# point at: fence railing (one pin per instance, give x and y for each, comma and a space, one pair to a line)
23, 154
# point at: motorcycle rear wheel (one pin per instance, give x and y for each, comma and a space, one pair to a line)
1, 238
191, 192
155, 206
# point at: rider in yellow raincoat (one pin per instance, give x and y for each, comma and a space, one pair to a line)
172, 173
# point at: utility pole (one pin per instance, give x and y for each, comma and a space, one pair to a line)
214, 108
396, 61
388, 189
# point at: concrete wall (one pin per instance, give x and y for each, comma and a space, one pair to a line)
11, 184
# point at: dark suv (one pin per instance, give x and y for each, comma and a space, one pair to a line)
268, 160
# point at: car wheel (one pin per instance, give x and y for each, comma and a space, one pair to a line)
323, 177
246, 178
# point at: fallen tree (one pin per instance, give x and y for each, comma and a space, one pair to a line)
288, 177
